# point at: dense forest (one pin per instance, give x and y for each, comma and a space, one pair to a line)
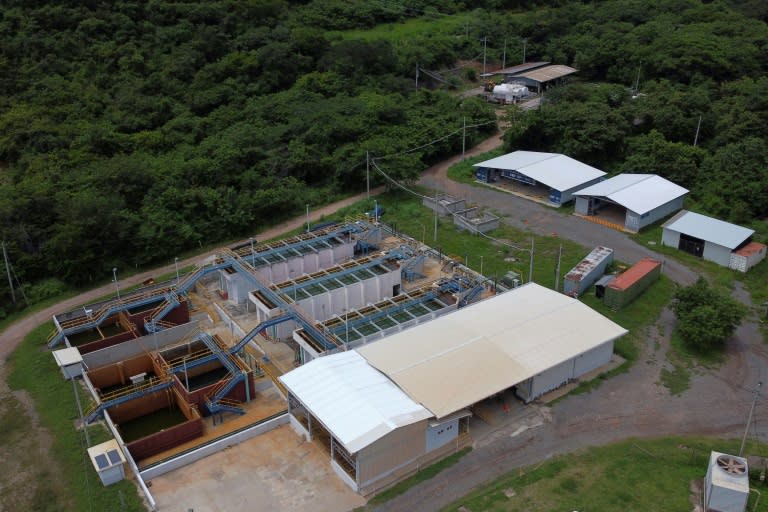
132, 131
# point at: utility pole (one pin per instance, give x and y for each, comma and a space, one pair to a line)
696, 138
749, 419
530, 269
307, 218
80, 411
485, 47
504, 55
557, 269
436, 207
417, 76
463, 138
367, 175
525, 42
8, 271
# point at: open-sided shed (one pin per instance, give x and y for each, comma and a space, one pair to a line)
631, 201
561, 174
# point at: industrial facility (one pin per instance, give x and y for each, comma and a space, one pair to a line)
629, 202
384, 410
714, 240
549, 178
182, 368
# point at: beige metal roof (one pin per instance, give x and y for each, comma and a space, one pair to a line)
477, 351
548, 73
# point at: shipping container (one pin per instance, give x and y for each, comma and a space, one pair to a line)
587, 271
627, 286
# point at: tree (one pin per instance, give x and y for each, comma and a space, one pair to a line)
705, 318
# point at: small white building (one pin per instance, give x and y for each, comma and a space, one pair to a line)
560, 174
634, 200
108, 460
69, 361
714, 240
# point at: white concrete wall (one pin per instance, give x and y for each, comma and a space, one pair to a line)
567, 195
670, 238
213, 447
592, 359
635, 222
132, 348
552, 378
717, 253
293, 267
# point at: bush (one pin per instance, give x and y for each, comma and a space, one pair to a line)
705, 317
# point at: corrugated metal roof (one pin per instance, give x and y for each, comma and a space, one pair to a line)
511, 70
354, 401
548, 73
634, 273
640, 193
468, 355
552, 169
750, 249
585, 266
709, 229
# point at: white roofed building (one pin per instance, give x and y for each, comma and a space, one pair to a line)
391, 406
713, 239
630, 201
559, 175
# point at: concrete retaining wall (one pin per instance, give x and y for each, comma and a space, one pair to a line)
134, 347
213, 447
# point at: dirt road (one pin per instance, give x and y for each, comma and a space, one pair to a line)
544, 220
13, 335
634, 404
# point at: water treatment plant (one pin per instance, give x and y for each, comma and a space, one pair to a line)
371, 345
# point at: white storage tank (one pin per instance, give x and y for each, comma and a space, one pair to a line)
726, 486
509, 93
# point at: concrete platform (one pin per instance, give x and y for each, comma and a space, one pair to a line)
271, 472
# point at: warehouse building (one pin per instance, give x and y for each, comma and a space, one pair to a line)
714, 240
629, 202
540, 79
549, 177
381, 415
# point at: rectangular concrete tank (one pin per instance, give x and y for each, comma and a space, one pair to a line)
587, 271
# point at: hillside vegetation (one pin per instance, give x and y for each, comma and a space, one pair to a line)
133, 131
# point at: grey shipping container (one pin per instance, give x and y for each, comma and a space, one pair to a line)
587, 271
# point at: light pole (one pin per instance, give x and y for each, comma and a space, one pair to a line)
114, 278
346, 330
525, 42
253, 257
481, 265
176, 263
307, 218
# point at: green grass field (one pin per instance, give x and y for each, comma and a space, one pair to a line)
634, 475
33, 369
409, 29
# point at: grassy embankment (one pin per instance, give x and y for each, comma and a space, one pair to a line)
76, 487
631, 475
